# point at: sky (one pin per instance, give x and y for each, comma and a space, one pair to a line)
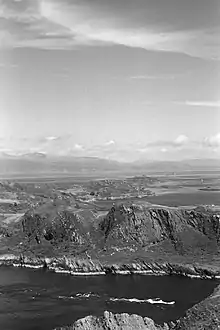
119, 79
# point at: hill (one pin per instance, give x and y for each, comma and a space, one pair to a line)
35, 164
125, 232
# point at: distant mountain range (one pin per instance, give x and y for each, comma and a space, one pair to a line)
40, 164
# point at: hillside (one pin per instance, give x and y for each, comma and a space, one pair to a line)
183, 230
147, 231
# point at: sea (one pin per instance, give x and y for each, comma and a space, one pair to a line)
43, 300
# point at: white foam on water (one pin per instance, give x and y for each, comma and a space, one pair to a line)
141, 301
27, 266
87, 295
123, 272
160, 301
61, 271
33, 266
80, 296
87, 274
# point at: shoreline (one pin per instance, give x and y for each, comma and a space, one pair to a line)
83, 267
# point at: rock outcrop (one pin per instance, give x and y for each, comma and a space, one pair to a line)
56, 223
184, 229
110, 321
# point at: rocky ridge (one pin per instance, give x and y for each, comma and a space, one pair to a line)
130, 239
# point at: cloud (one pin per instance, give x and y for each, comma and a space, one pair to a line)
201, 103
212, 141
66, 145
78, 147
180, 141
212, 104
109, 143
51, 138
152, 77
192, 103
53, 24
8, 65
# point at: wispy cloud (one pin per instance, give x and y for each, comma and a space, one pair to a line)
51, 138
8, 66
152, 77
212, 104
180, 141
54, 24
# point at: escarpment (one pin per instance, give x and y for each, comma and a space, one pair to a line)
184, 229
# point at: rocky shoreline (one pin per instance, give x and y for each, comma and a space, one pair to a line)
75, 266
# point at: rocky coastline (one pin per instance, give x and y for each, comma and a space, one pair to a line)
75, 266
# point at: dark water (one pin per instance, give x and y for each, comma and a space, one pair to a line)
41, 300
185, 199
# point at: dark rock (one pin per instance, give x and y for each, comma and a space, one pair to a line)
145, 226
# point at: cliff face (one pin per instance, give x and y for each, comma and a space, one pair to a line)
184, 229
57, 224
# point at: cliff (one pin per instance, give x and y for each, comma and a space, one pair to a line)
147, 226
135, 226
